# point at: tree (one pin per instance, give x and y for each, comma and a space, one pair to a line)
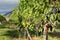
2, 19
32, 12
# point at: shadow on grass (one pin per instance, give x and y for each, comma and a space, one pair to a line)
4, 25
12, 34
55, 34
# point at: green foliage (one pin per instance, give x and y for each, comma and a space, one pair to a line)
14, 16
32, 12
58, 17
2, 19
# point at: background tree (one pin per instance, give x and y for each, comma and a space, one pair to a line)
2, 19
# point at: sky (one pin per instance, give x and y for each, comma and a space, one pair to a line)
7, 5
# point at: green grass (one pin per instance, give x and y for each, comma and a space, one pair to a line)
2, 32
6, 34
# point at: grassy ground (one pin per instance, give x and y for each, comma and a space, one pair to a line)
2, 36
6, 34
